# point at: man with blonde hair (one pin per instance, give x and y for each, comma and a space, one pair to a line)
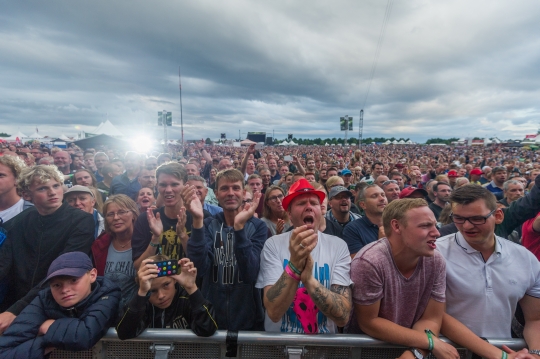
38, 236
11, 203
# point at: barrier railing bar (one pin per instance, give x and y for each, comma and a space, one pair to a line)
270, 338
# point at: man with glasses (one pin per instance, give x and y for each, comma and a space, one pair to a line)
487, 275
391, 190
515, 215
36, 152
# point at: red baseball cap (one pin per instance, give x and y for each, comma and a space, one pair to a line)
407, 191
452, 174
300, 187
477, 172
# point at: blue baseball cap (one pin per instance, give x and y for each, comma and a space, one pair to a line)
72, 264
346, 172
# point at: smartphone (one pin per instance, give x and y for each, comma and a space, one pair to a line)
259, 146
288, 158
167, 268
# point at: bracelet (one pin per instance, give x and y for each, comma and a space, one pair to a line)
291, 274
504, 355
155, 245
430, 339
534, 351
294, 269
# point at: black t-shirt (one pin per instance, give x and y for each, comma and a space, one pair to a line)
170, 243
436, 210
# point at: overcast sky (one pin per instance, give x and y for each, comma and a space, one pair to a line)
446, 68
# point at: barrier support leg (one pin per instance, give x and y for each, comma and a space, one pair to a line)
294, 352
161, 350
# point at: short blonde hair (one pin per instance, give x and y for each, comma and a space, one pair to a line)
15, 164
40, 173
122, 201
333, 180
398, 210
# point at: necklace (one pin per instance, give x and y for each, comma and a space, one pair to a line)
123, 246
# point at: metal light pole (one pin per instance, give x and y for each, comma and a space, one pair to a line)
360, 128
164, 118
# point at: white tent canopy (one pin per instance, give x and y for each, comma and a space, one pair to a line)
64, 137
35, 136
18, 135
284, 143
292, 143
107, 128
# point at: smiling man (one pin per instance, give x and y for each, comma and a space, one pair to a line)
166, 228
340, 206
226, 249
39, 235
487, 275
305, 273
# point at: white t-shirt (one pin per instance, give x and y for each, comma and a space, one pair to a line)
12, 211
332, 263
484, 295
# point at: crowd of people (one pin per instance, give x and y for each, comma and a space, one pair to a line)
401, 243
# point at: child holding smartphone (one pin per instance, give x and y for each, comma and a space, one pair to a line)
171, 301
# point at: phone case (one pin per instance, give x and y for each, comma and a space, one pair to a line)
167, 268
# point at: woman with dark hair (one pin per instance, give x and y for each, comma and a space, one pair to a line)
274, 215
111, 251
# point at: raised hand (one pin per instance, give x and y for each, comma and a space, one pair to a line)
280, 225
154, 222
247, 212
147, 272
301, 243
181, 224
187, 276
192, 203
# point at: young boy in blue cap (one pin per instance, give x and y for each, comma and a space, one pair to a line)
73, 313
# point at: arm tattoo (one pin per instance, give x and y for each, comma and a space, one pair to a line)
277, 288
334, 303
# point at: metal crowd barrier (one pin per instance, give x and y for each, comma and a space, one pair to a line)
176, 344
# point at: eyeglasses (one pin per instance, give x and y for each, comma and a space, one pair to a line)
476, 220
388, 182
247, 201
275, 198
120, 213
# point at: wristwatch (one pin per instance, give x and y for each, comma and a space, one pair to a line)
416, 353
534, 351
